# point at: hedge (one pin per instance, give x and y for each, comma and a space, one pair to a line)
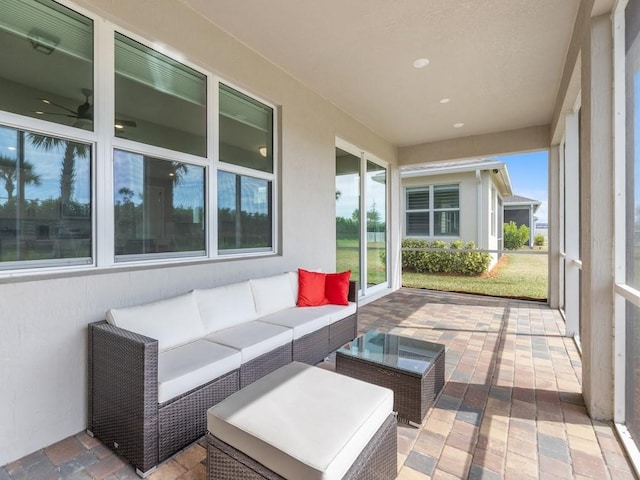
466, 263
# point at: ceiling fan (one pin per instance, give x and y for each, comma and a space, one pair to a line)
84, 111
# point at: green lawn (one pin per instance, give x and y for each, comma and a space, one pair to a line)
517, 276
348, 258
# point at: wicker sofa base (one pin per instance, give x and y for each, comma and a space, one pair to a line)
128, 419
180, 421
343, 331
266, 363
377, 461
312, 348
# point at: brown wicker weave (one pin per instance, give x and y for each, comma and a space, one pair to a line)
267, 363
413, 394
377, 461
312, 348
343, 331
123, 399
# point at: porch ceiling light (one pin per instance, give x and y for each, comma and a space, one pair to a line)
445, 100
263, 151
421, 62
458, 125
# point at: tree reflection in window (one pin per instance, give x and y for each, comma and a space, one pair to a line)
45, 214
159, 206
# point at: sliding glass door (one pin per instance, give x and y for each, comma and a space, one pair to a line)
361, 238
348, 213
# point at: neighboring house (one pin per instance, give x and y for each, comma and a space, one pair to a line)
521, 210
456, 201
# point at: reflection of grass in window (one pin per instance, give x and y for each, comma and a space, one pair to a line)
348, 258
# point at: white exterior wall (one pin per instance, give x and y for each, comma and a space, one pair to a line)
43, 348
475, 220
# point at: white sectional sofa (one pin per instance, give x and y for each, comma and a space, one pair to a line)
155, 369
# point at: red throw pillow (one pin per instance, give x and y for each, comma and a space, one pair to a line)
311, 287
336, 288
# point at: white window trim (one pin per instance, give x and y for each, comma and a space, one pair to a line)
431, 210
104, 143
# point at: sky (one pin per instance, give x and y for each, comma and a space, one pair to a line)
529, 178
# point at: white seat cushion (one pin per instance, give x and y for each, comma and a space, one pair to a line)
253, 338
174, 321
302, 421
226, 306
303, 320
192, 365
272, 294
338, 312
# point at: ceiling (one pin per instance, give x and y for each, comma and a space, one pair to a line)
499, 62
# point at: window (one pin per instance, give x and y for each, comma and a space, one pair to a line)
244, 212
159, 101
159, 189
432, 211
45, 200
245, 178
159, 206
46, 62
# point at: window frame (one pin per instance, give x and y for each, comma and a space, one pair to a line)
431, 210
104, 143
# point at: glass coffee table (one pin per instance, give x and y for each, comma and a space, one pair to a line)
412, 368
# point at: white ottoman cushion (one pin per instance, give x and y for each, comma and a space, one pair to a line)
302, 421
253, 338
302, 320
192, 365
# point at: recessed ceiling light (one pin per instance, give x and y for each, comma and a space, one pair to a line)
458, 125
445, 100
421, 63
38, 112
118, 126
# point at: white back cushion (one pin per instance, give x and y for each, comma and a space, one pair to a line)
272, 294
226, 306
293, 277
174, 321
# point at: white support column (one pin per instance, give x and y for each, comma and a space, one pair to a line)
597, 214
572, 225
553, 228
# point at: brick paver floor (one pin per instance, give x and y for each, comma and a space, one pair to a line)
511, 407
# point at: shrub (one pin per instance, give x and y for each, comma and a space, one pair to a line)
467, 263
474, 263
538, 240
515, 237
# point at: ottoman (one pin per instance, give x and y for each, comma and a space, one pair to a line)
303, 422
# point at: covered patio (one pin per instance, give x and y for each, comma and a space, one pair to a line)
512, 407
150, 148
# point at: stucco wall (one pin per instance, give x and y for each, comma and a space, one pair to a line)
43, 366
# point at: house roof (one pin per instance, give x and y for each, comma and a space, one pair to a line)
518, 200
499, 169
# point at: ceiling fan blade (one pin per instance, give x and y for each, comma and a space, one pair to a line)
49, 102
126, 123
40, 112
